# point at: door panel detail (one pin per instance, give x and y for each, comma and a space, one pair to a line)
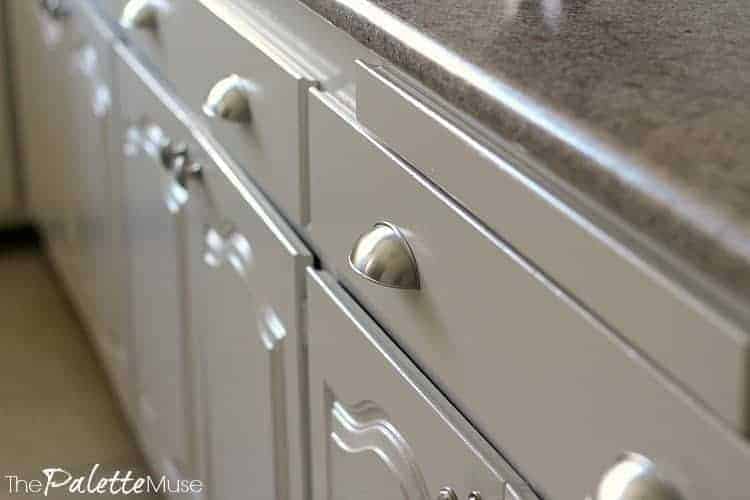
365, 427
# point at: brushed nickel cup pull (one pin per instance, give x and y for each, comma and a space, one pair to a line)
635, 477
228, 100
382, 255
142, 14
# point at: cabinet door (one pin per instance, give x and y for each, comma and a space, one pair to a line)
379, 428
245, 271
98, 146
90, 98
153, 229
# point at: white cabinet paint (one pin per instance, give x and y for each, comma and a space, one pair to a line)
209, 259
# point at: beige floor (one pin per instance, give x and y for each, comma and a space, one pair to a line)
56, 409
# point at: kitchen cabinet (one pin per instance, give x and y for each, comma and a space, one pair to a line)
458, 300
216, 298
63, 84
291, 258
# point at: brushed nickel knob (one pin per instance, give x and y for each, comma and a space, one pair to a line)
475, 495
447, 493
635, 477
228, 100
142, 14
382, 255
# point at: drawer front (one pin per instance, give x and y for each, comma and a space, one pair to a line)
486, 325
245, 273
255, 99
645, 307
380, 429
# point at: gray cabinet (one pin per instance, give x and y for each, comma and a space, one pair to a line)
519, 356
379, 428
153, 202
64, 89
216, 306
156, 154
644, 305
245, 285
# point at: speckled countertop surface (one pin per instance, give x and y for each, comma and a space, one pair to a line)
642, 106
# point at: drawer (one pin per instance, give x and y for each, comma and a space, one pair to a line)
253, 95
651, 311
532, 369
380, 429
245, 285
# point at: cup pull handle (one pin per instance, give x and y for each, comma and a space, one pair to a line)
383, 255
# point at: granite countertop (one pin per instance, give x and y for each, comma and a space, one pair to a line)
642, 106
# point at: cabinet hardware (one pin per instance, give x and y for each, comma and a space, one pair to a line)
447, 493
382, 255
142, 14
635, 477
475, 495
228, 100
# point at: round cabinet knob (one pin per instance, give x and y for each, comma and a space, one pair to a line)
142, 14
635, 477
383, 256
228, 100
